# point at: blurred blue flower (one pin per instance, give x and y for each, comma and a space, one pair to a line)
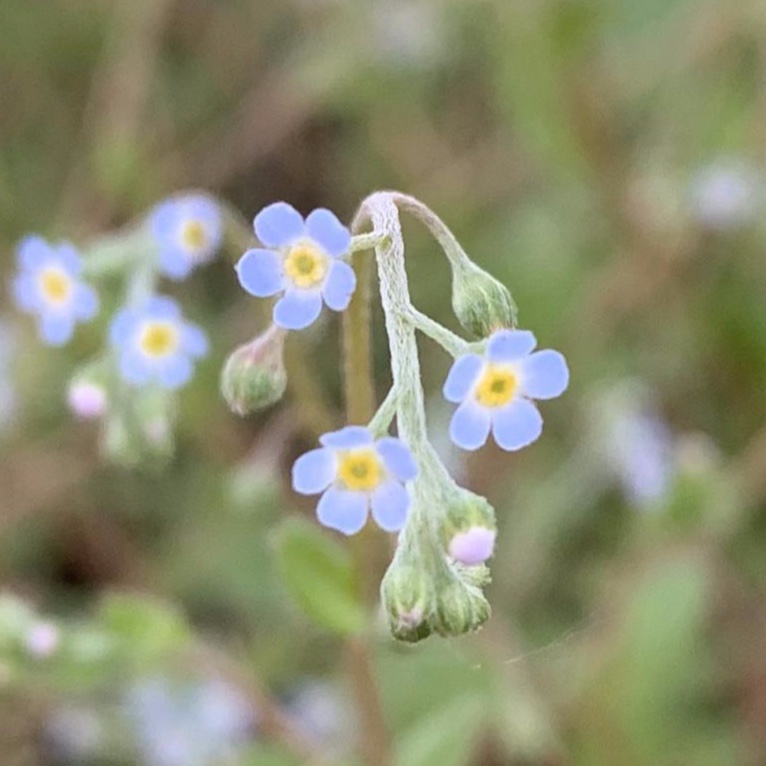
48, 285
188, 724
356, 474
188, 231
156, 344
495, 391
726, 194
641, 451
302, 262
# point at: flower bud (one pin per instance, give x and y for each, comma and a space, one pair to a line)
86, 400
466, 511
481, 303
460, 608
472, 547
141, 431
407, 597
254, 376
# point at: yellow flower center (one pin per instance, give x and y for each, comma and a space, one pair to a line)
497, 386
158, 339
55, 285
360, 470
306, 265
193, 235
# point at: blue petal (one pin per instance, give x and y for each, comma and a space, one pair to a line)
85, 302
26, 293
174, 262
517, 424
328, 232
56, 328
461, 378
175, 371
278, 225
123, 327
163, 220
349, 437
161, 307
339, 286
469, 427
33, 252
544, 375
509, 345
314, 471
260, 273
297, 309
193, 340
343, 510
390, 503
68, 258
397, 458
135, 368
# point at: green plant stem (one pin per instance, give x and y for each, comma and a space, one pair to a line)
374, 742
451, 343
381, 420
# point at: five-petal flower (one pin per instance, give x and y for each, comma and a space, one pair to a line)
188, 231
495, 391
48, 285
156, 344
302, 261
357, 474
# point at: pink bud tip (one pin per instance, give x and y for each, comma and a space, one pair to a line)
86, 400
42, 640
473, 546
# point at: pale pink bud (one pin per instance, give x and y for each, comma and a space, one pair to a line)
472, 547
86, 400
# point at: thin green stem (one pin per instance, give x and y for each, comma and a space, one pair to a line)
381, 420
440, 231
451, 343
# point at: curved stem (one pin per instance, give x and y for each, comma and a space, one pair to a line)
381, 420
440, 231
451, 343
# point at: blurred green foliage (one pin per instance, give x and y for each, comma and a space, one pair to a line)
563, 141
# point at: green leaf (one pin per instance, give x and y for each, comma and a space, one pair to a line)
144, 627
319, 575
446, 736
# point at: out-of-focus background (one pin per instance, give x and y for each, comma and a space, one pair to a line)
605, 160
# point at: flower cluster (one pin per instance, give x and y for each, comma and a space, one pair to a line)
149, 344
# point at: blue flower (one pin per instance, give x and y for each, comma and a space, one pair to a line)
188, 231
495, 391
48, 285
302, 262
155, 344
356, 474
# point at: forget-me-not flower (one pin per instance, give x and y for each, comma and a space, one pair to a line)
495, 391
188, 231
302, 262
156, 344
49, 286
357, 474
